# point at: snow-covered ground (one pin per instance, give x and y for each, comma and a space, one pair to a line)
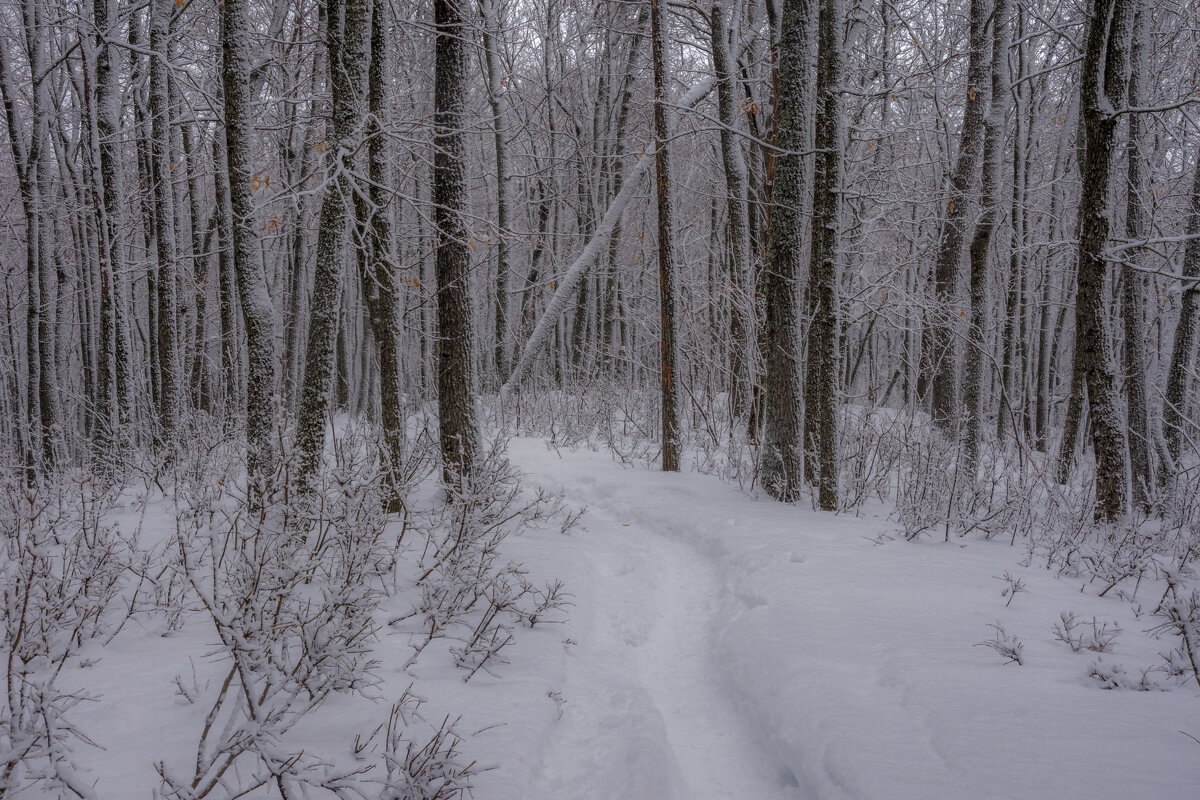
722, 646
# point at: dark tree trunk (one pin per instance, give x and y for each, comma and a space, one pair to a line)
821, 378
939, 376
346, 42
1102, 90
1187, 332
781, 460
458, 429
666, 266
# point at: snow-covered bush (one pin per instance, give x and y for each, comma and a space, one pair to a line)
467, 593
63, 568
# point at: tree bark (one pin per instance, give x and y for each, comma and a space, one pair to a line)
821, 378
741, 314
1102, 90
245, 267
379, 278
782, 425
169, 397
346, 41
1187, 332
981, 242
1141, 453
940, 373
458, 428
666, 256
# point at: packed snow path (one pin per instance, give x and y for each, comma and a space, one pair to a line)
646, 667
723, 647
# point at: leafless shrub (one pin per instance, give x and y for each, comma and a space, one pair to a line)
1115, 676
1012, 587
62, 568
290, 585
1080, 634
1004, 643
468, 594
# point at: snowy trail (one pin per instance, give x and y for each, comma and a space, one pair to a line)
644, 664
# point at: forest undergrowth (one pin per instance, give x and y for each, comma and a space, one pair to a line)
291, 590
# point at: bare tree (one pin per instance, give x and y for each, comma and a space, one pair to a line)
821, 377
245, 264
1102, 92
666, 265
981, 242
940, 366
458, 428
781, 460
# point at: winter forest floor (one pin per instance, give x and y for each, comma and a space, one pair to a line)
724, 646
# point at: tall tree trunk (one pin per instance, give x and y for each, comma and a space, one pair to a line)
113, 367
497, 85
458, 428
1133, 301
781, 459
379, 278
940, 372
346, 43
164, 222
245, 264
1102, 90
741, 314
1187, 332
666, 266
979, 355
821, 378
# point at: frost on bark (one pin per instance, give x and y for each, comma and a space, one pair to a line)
164, 224
666, 266
346, 42
1141, 458
379, 279
40, 418
497, 88
246, 266
1101, 92
741, 313
821, 377
781, 459
939, 374
1187, 332
113, 368
981, 242
458, 428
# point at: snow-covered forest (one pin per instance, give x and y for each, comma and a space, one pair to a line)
623, 399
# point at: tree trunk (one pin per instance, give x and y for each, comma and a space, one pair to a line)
940, 373
666, 266
1102, 90
379, 278
821, 378
497, 88
1133, 302
164, 222
741, 314
245, 267
458, 429
781, 459
1187, 332
346, 42
981, 242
